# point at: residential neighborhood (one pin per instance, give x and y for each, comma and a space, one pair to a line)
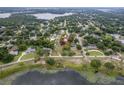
90, 39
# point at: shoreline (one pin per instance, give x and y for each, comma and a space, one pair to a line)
93, 79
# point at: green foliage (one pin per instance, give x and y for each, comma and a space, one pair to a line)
78, 47
40, 51
96, 64
109, 66
108, 52
22, 47
50, 61
17, 68
36, 58
91, 39
5, 57
68, 53
43, 42
66, 47
21, 63
17, 19
76, 40
71, 38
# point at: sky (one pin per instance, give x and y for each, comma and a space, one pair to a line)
61, 3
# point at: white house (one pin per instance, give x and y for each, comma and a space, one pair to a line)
14, 51
30, 50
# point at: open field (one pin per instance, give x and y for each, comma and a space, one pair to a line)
95, 53
28, 56
17, 57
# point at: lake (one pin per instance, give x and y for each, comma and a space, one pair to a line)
58, 78
49, 16
46, 16
5, 15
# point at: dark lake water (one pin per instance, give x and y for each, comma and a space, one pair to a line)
5, 15
59, 78
67, 77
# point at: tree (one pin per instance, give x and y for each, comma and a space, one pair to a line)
71, 38
108, 52
3, 52
78, 47
116, 48
96, 64
22, 47
5, 57
50, 61
40, 51
66, 47
8, 58
100, 45
68, 53
76, 40
37, 58
91, 39
109, 66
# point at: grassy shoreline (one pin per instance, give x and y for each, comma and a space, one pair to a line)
82, 69
17, 68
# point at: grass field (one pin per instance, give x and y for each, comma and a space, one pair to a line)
95, 53
28, 56
17, 68
16, 57
1, 63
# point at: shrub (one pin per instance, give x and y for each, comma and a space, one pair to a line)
21, 63
68, 53
109, 66
50, 61
78, 47
96, 64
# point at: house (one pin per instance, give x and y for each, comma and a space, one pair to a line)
33, 35
64, 40
92, 46
53, 37
8, 45
30, 50
122, 41
2, 45
47, 51
2, 27
116, 36
73, 45
13, 51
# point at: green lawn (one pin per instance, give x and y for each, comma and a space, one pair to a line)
16, 57
1, 63
95, 53
17, 68
28, 56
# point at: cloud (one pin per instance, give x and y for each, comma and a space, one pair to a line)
61, 3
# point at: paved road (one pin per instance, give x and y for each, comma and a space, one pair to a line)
83, 51
23, 53
29, 60
16, 62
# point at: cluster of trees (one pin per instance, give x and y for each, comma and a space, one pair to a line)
17, 19
40, 42
96, 65
5, 57
50, 61
78, 46
43, 42
66, 50
104, 43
